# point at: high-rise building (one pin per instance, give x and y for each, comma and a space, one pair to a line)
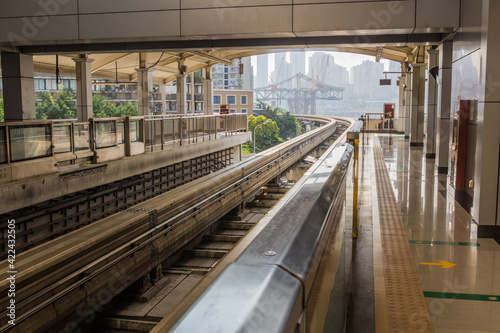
324, 69
229, 77
298, 61
261, 80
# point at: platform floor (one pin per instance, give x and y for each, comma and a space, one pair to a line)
429, 271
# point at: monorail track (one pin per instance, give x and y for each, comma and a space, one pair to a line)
61, 281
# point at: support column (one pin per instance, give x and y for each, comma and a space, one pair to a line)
402, 106
163, 92
18, 86
486, 207
407, 105
444, 107
417, 105
84, 108
181, 94
430, 138
208, 92
144, 87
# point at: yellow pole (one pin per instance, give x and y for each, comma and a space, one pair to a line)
355, 194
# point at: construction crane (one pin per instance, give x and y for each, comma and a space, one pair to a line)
275, 83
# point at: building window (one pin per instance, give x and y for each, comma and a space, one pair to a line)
231, 99
233, 110
217, 99
199, 90
243, 99
243, 110
198, 106
216, 110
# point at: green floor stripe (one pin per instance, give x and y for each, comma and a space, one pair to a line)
468, 297
443, 243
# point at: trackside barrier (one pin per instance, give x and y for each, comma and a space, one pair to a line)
269, 287
69, 140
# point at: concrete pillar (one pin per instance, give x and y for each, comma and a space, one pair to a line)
444, 107
144, 87
407, 105
430, 138
486, 207
417, 104
163, 92
402, 107
84, 109
181, 94
18, 86
208, 92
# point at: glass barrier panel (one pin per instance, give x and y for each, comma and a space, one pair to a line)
169, 130
135, 131
82, 137
105, 134
62, 139
177, 135
120, 132
148, 133
3, 146
29, 141
157, 132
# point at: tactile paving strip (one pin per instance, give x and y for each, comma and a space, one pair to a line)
406, 306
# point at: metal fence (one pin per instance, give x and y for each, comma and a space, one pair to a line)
21, 141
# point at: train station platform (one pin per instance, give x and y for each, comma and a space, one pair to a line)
417, 264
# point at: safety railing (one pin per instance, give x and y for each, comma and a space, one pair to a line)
21, 141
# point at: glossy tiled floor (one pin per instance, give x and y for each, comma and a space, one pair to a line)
464, 298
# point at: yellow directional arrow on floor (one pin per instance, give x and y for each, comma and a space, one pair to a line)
443, 264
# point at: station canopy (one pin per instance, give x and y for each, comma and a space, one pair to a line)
119, 68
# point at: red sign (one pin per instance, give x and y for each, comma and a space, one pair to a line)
224, 109
389, 110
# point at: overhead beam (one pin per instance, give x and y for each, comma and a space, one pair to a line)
266, 43
108, 60
212, 57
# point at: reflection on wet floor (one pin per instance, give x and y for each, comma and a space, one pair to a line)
464, 295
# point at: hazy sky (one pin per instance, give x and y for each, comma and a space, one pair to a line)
341, 58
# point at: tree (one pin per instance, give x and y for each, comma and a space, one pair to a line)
288, 125
104, 107
266, 136
62, 107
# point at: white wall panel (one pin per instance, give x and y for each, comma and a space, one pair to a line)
130, 25
56, 28
362, 17
438, 15
26, 8
237, 21
120, 6
203, 4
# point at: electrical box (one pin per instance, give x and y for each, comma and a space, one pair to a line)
458, 145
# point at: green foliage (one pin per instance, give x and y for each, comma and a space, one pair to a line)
62, 106
104, 107
266, 136
1, 110
288, 125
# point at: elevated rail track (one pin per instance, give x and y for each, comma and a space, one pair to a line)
60, 282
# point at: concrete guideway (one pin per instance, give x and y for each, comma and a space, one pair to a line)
161, 219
